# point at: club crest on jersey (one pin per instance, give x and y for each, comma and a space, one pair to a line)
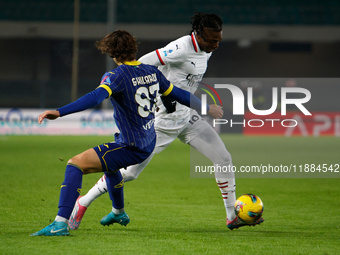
167, 52
106, 79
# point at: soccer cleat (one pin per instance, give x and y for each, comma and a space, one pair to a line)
121, 218
259, 221
57, 228
77, 215
237, 223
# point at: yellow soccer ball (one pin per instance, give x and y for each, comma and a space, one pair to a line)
249, 208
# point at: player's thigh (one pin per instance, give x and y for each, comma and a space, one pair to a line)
88, 161
164, 138
205, 139
194, 126
114, 156
166, 131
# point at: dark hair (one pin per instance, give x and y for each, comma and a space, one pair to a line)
202, 20
119, 44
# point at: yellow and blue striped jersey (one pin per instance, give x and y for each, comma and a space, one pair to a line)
133, 88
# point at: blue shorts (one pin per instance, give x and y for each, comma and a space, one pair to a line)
116, 155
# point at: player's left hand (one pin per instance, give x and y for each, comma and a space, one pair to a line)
215, 111
50, 115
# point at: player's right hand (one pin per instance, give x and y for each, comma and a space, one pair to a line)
215, 111
50, 115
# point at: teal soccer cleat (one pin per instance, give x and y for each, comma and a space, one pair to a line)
54, 229
121, 218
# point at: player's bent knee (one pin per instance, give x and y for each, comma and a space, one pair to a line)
74, 161
228, 157
226, 154
128, 176
224, 159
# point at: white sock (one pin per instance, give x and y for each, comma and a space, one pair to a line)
227, 188
59, 218
231, 212
96, 191
117, 211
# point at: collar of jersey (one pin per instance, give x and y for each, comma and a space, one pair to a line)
194, 42
132, 63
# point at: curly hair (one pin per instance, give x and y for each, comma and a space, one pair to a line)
119, 44
202, 20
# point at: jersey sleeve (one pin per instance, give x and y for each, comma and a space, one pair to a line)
184, 97
174, 52
167, 89
150, 58
165, 85
111, 82
87, 101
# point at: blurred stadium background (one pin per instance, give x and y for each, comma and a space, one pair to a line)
48, 56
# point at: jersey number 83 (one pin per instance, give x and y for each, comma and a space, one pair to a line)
147, 99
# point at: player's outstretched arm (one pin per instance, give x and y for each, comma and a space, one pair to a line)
184, 97
89, 100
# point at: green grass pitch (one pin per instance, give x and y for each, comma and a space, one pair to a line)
171, 213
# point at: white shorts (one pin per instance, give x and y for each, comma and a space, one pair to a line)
192, 130
184, 129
